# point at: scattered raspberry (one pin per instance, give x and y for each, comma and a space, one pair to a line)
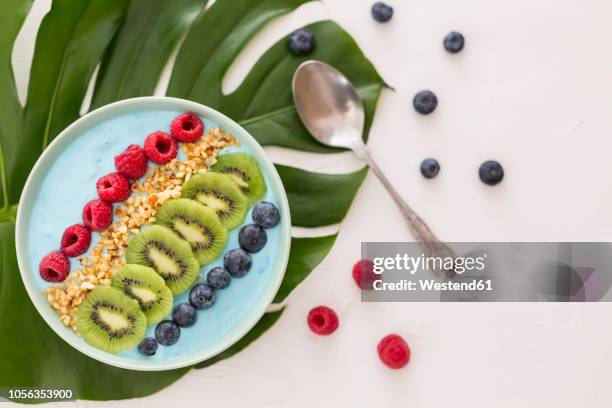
363, 274
187, 128
393, 351
76, 240
98, 215
322, 320
54, 267
132, 163
160, 147
113, 187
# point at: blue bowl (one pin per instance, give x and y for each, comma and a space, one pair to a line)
64, 179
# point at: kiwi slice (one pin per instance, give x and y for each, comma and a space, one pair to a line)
196, 224
148, 288
220, 193
172, 258
244, 171
110, 320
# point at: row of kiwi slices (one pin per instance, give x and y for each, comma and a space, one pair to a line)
192, 231
164, 259
115, 318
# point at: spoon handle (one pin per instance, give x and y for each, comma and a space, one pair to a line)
419, 228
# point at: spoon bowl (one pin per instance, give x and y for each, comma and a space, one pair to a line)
328, 104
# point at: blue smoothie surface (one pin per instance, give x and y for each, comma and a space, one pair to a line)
71, 182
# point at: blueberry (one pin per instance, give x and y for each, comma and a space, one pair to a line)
425, 102
237, 262
491, 172
266, 214
301, 42
167, 333
202, 296
252, 238
218, 278
382, 12
184, 315
454, 42
430, 168
148, 346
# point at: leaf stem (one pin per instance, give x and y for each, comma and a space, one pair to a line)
8, 214
53, 100
250, 120
3, 181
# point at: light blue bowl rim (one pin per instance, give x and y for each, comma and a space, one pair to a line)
87, 122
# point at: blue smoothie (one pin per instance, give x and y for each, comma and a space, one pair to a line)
71, 183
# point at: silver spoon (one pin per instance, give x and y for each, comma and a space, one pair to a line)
332, 111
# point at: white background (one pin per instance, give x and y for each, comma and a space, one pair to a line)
532, 89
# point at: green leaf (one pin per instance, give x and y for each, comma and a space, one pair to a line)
306, 254
208, 53
317, 199
260, 328
13, 14
32, 355
271, 120
142, 47
73, 38
70, 42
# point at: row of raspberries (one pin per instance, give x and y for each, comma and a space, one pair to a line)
132, 164
392, 350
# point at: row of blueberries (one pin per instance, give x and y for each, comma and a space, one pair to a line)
236, 264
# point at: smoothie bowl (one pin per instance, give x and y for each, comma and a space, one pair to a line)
153, 233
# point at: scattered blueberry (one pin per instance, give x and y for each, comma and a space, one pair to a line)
167, 333
218, 278
202, 296
301, 42
454, 42
148, 346
430, 168
266, 214
237, 262
382, 12
252, 238
425, 102
491, 172
184, 315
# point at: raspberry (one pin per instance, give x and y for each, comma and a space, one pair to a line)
187, 127
54, 267
160, 147
393, 351
98, 215
322, 320
363, 274
76, 240
132, 163
113, 187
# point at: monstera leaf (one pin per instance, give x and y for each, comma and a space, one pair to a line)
131, 41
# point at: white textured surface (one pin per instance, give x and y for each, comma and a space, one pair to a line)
532, 89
